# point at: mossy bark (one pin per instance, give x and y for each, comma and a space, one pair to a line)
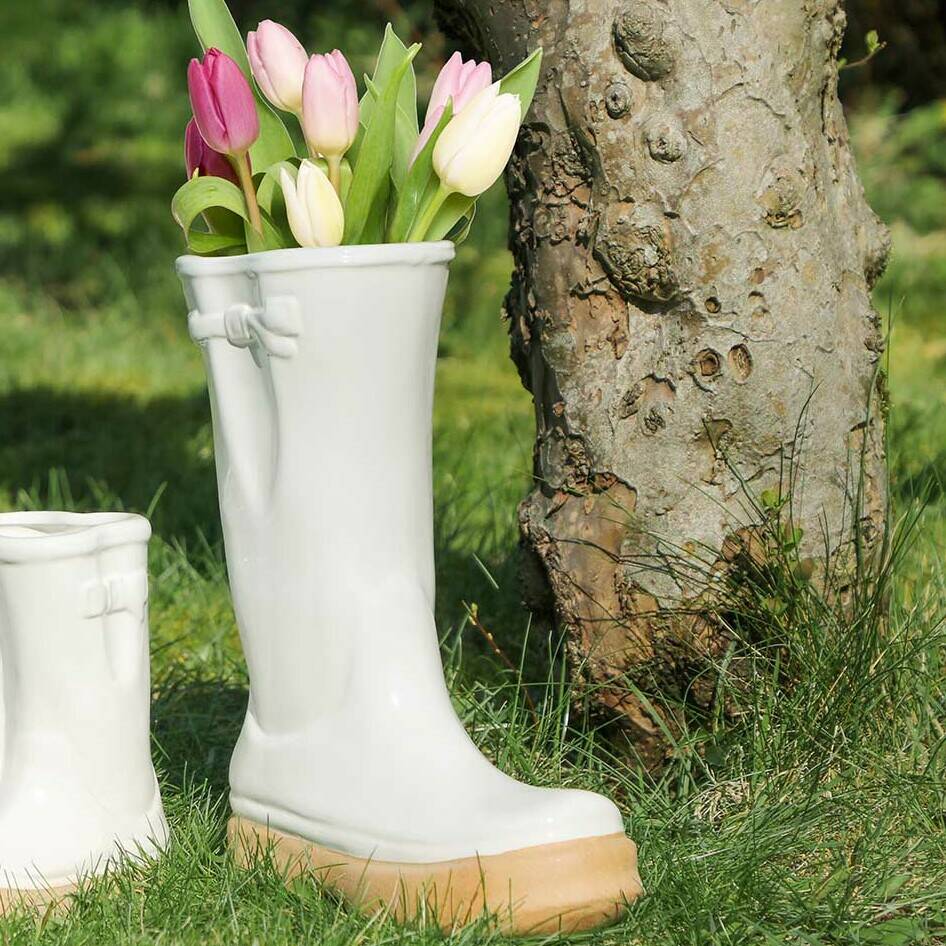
690, 309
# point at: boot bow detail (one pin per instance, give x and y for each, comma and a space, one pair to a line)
116, 593
275, 325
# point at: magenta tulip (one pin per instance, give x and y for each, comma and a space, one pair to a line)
278, 61
201, 159
223, 103
329, 108
458, 81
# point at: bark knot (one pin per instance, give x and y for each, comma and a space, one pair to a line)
617, 99
637, 260
640, 42
665, 139
781, 198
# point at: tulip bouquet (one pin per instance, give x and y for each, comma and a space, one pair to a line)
368, 171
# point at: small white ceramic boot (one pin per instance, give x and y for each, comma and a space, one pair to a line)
321, 368
77, 787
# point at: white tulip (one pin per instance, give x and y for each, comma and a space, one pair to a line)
473, 149
315, 213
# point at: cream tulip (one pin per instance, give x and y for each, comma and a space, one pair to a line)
458, 82
473, 149
315, 212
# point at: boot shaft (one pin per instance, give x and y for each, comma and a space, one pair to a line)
322, 378
321, 371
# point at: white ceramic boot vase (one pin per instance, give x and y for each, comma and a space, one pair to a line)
352, 760
77, 788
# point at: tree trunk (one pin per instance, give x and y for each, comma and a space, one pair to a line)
690, 309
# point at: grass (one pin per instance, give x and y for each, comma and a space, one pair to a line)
820, 817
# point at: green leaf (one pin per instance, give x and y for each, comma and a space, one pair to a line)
272, 204
214, 27
404, 138
345, 176
464, 231
268, 187
374, 225
272, 237
201, 195
898, 931
894, 884
417, 184
352, 153
390, 57
376, 154
454, 209
523, 79
224, 222
215, 244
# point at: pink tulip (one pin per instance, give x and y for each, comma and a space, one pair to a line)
459, 81
202, 159
329, 106
278, 61
223, 103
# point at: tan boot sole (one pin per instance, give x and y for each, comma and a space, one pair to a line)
29, 899
567, 886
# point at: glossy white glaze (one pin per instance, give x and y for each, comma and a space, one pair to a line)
321, 369
77, 787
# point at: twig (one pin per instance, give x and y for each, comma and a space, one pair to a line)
472, 612
873, 44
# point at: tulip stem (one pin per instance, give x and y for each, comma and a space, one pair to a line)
334, 163
241, 164
420, 228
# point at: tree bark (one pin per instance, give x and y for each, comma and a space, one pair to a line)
690, 309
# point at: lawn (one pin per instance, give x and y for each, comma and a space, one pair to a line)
820, 818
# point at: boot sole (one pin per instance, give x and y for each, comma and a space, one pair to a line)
12, 898
568, 886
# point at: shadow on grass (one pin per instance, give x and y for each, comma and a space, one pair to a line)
195, 723
116, 451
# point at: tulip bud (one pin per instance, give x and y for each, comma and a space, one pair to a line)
278, 61
329, 105
223, 103
202, 160
315, 213
459, 82
473, 149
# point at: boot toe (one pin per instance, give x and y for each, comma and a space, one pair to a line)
568, 814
